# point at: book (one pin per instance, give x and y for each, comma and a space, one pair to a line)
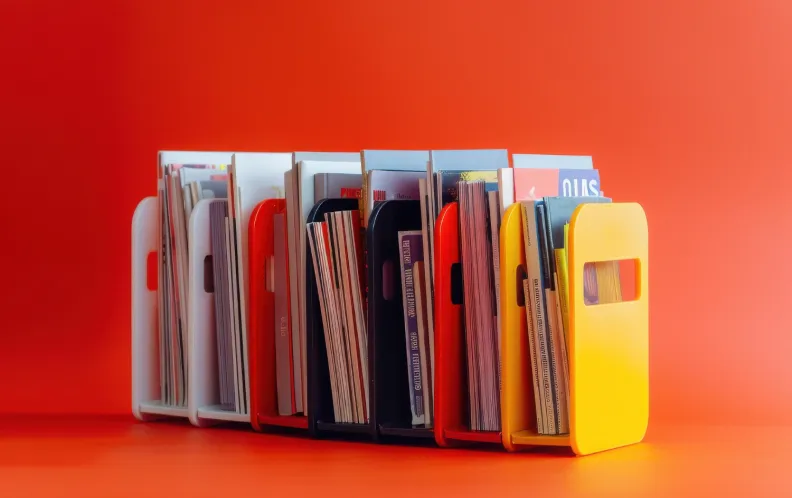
300, 187
252, 178
531, 184
336, 254
482, 344
218, 213
551, 161
431, 195
337, 185
426, 341
411, 245
536, 161
175, 169
534, 287
547, 304
284, 369
386, 160
494, 216
390, 185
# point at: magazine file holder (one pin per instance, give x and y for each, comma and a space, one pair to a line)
451, 425
263, 383
321, 419
203, 395
608, 343
389, 381
146, 404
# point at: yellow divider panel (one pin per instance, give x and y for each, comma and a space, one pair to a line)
609, 343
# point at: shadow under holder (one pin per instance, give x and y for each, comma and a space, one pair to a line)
390, 413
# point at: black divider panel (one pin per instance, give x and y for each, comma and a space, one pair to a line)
390, 389
320, 400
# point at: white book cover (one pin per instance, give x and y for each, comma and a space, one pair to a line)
306, 171
394, 160
252, 178
170, 279
296, 217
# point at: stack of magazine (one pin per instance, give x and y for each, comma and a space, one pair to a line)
180, 187
330, 251
337, 255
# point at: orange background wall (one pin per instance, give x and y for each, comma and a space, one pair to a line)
685, 107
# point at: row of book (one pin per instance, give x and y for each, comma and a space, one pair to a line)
326, 250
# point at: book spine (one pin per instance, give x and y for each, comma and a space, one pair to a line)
411, 330
427, 269
495, 223
543, 231
537, 303
316, 234
532, 333
283, 360
535, 370
320, 186
292, 242
563, 289
562, 372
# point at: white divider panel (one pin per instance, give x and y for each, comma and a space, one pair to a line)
145, 334
203, 395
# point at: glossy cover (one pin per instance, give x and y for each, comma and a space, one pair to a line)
321, 420
263, 396
390, 390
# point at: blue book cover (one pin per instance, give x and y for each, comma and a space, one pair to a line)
394, 160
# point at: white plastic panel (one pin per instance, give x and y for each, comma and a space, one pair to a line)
155, 408
202, 383
145, 334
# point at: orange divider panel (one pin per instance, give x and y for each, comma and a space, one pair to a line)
263, 398
450, 376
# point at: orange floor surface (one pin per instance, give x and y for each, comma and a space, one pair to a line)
119, 457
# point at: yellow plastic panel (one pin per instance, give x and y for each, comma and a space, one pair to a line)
608, 343
517, 409
531, 438
518, 406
